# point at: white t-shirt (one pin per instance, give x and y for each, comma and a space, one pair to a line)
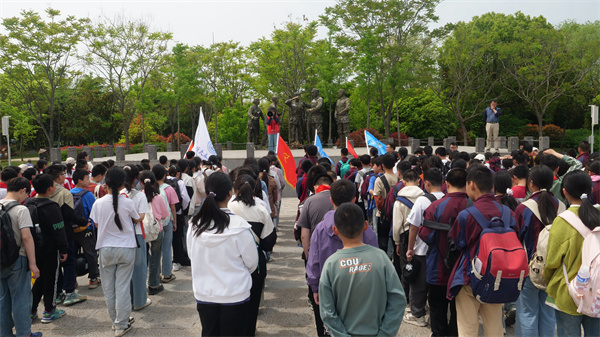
109, 234
141, 205
415, 218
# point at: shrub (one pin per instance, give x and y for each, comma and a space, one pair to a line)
553, 131
403, 139
359, 136
172, 138
529, 130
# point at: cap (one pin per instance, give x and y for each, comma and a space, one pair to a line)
70, 160
480, 157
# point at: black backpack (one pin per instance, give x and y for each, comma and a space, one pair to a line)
78, 204
33, 204
9, 249
173, 183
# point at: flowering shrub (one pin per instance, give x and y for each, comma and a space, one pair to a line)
403, 139
172, 138
553, 131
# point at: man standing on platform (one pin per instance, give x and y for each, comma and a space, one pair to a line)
491, 116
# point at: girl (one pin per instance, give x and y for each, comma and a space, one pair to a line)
534, 317
264, 166
115, 216
223, 255
157, 204
593, 169
503, 191
257, 216
564, 249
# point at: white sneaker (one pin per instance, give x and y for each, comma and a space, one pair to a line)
418, 321
148, 302
176, 266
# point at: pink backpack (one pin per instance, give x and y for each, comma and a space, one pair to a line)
590, 256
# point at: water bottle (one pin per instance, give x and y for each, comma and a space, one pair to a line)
596, 304
582, 279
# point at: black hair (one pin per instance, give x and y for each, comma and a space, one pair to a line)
98, 169
521, 171
482, 177
418, 151
403, 166
527, 147
551, 161
79, 175
344, 151
355, 162
264, 165
392, 145
349, 220
453, 144
183, 165
414, 161
434, 177
69, 170
17, 184
464, 156
132, 174
342, 191
249, 161
244, 187
365, 159
111, 163
563, 167
314, 176
172, 171
252, 172
312, 150
190, 154
81, 156
104, 163
457, 177
163, 159
55, 170
197, 162
507, 163
441, 151
82, 164
402, 152
115, 178
488, 155
388, 161
543, 178
218, 186
521, 158
29, 173
40, 164
42, 182
428, 150
216, 162
410, 176
459, 163
435, 162
374, 152
584, 145
8, 173
503, 182
577, 183
148, 181
325, 162
159, 171
593, 167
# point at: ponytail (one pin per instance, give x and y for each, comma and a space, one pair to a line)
579, 185
543, 177
148, 180
502, 186
589, 214
115, 178
244, 191
210, 216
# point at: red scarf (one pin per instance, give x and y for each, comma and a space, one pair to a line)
323, 188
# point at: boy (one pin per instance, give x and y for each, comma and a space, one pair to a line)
55, 247
95, 186
359, 291
85, 236
15, 279
380, 190
323, 242
553, 159
343, 160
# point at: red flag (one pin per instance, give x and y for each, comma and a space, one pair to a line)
350, 148
288, 164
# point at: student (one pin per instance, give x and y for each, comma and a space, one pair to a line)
564, 252
7, 174
324, 243
163, 160
169, 224
417, 249
584, 152
519, 182
363, 172
370, 205
359, 292
55, 248
223, 254
553, 159
116, 217
176, 173
355, 165
96, 181
534, 317
276, 173
15, 280
264, 165
502, 190
341, 162
465, 233
593, 169
301, 187
272, 127
85, 237
311, 155
257, 216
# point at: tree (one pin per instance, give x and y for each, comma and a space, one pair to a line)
36, 56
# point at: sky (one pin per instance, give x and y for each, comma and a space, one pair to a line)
199, 21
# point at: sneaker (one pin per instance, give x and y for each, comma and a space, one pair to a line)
167, 279
33, 315
176, 266
148, 302
52, 315
418, 321
73, 298
130, 321
60, 298
121, 332
94, 283
511, 317
155, 290
35, 334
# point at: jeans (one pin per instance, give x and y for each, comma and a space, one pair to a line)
273, 141
221, 319
15, 298
140, 273
116, 269
87, 241
570, 326
154, 261
167, 252
534, 317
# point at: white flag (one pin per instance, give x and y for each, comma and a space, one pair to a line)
202, 144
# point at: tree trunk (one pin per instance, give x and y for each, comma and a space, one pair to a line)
398, 124
540, 124
330, 122
368, 109
178, 127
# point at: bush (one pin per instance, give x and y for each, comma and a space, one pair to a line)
572, 137
359, 136
403, 139
553, 131
529, 130
172, 138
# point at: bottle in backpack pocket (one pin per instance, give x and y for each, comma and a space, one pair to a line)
582, 280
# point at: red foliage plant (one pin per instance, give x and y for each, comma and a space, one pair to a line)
403, 139
172, 138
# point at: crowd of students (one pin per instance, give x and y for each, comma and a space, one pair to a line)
432, 239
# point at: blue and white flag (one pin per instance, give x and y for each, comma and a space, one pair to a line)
320, 147
202, 144
374, 142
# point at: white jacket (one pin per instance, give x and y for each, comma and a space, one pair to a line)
222, 263
401, 211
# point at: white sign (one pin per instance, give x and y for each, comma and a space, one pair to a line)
594, 114
5, 125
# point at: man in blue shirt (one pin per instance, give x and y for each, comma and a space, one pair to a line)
492, 116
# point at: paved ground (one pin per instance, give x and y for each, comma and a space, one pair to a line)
284, 312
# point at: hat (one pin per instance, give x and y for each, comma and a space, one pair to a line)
23, 167
411, 270
41, 151
480, 157
70, 160
535, 149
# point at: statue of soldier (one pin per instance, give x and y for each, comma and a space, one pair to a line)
296, 118
342, 106
254, 114
315, 119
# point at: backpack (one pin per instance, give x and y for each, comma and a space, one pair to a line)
590, 256
150, 225
390, 199
9, 249
174, 183
344, 167
97, 191
499, 266
33, 204
78, 208
364, 188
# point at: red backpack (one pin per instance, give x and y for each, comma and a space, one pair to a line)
500, 264
390, 199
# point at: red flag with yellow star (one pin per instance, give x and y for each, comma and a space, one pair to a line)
288, 164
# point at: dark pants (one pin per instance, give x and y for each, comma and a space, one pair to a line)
383, 233
68, 277
258, 282
87, 241
179, 254
45, 285
223, 320
318, 320
438, 312
400, 261
418, 289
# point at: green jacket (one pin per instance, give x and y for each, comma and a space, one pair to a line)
574, 164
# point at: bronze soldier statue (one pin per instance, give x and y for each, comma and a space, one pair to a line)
315, 119
296, 118
254, 114
342, 106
